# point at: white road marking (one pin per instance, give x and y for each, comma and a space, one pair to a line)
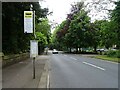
94, 66
20, 62
73, 58
65, 55
48, 82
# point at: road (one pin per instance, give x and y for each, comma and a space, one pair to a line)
77, 71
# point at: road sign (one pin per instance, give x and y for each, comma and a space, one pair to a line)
33, 48
28, 21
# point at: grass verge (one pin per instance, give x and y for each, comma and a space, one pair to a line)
105, 57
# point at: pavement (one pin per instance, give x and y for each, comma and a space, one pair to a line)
44, 80
20, 75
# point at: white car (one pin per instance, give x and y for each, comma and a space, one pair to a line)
101, 49
55, 51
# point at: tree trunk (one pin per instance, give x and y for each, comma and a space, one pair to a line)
76, 49
80, 49
70, 50
95, 49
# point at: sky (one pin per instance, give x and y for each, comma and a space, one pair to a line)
61, 8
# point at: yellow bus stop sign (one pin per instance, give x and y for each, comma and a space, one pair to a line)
28, 21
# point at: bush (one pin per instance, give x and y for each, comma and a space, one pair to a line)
105, 53
118, 54
112, 53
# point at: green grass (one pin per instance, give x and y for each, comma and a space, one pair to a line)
105, 57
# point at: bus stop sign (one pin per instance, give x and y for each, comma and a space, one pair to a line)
28, 21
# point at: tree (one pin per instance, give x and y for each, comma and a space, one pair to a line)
44, 28
14, 39
77, 29
94, 34
71, 32
115, 18
108, 36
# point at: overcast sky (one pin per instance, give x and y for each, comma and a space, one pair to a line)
61, 8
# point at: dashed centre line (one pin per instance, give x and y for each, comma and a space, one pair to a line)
73, 58
89, 64
94, 66
65, 55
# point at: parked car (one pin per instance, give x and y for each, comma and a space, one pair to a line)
55, 51
101, 49
114, 49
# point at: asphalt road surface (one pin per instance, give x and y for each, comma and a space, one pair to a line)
77, 71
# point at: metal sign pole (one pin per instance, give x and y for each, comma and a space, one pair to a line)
34, 23
33, 53
33, 67
29, 27
35, 37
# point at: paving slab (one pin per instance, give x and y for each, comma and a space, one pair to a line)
20, 75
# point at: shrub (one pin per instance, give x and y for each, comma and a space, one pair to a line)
118, 54
105, 53
112, 53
